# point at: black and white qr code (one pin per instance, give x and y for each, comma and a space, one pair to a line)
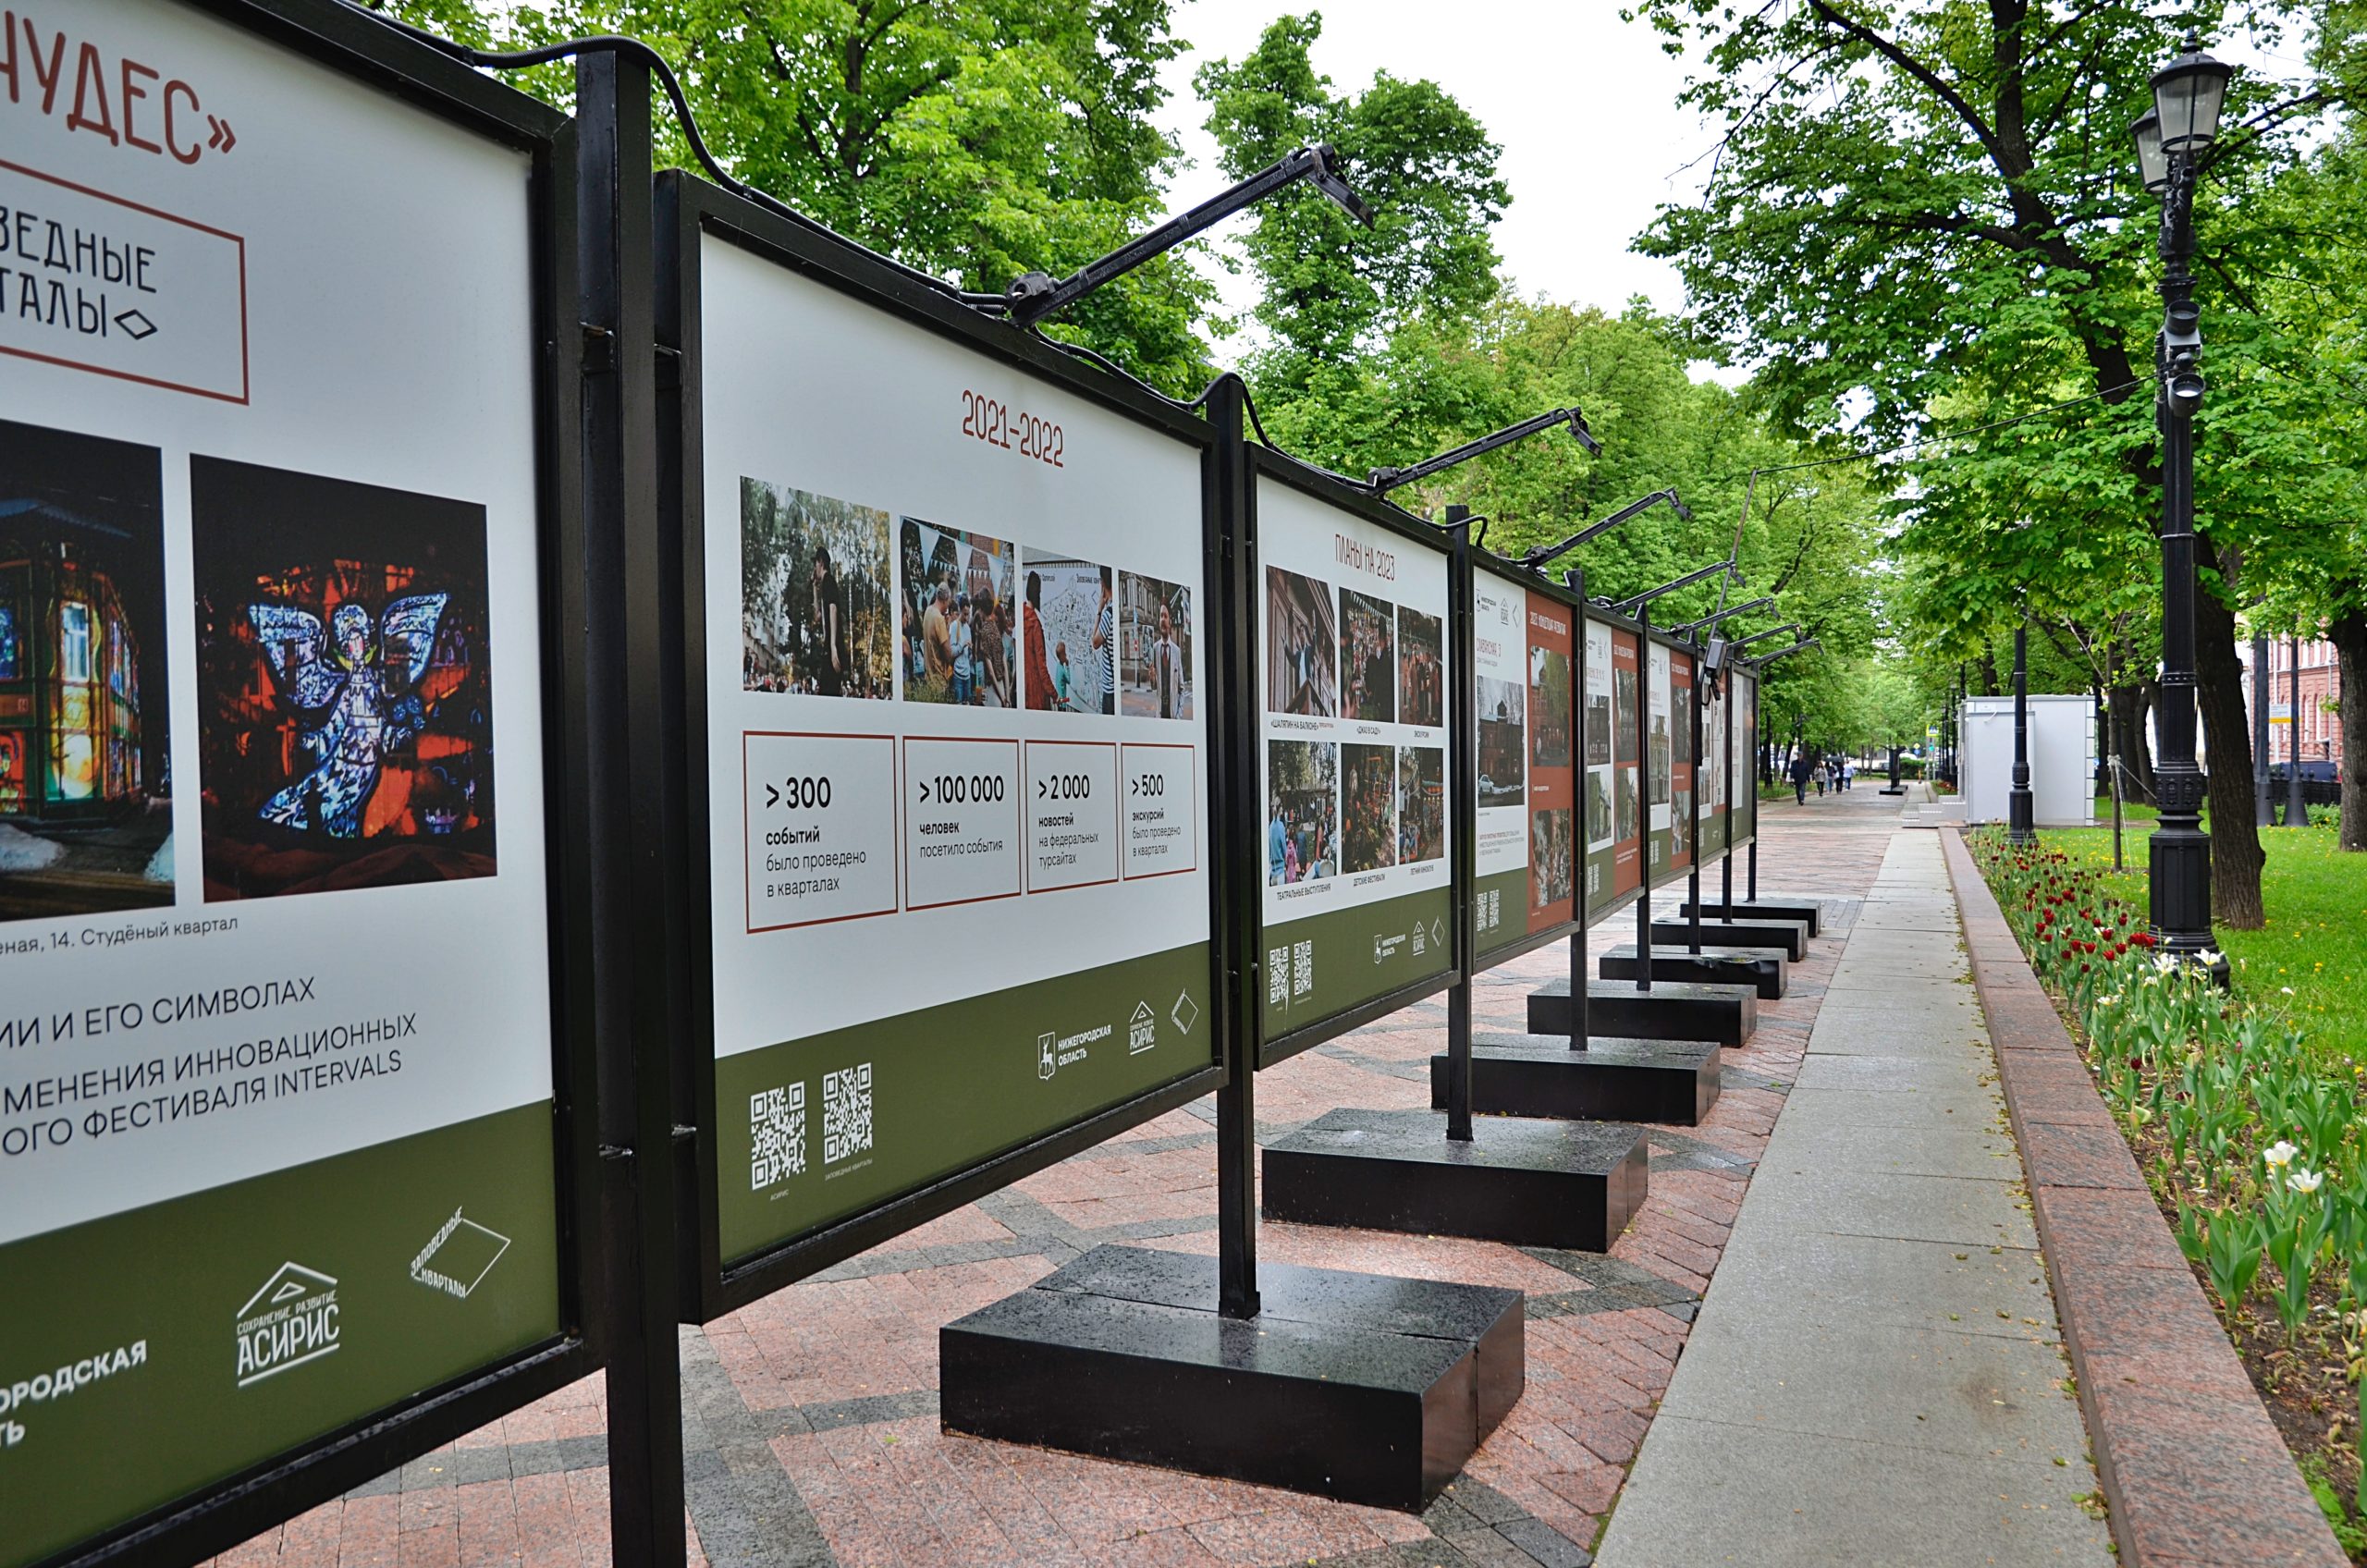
777, 1130
846, 1112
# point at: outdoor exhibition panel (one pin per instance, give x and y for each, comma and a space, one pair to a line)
1715, 713
1352, 674
1612, 746
1669, 687
1742, 704
1524, 659
950, 821
286, 1153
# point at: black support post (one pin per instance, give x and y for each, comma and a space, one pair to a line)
1644, 791
1693, 802
1760, 738
1463, 822
1232, 740
625, 570
2020, 813
2296, 811
1576, 580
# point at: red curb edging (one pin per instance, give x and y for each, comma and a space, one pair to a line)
2192, 1467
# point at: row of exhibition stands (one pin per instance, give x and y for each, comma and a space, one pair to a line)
927, 753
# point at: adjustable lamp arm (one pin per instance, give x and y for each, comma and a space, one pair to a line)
1630, 605
1741, 642
1034, 295
1384, 480
1713, 620
1803, 643
1544, 553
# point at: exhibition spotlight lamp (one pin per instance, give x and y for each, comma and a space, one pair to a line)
1032, 296
1384, 480
2173, 143
1630, 605
1543, 553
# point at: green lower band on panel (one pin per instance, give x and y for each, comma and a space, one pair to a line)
1320, 965
150, 1353
815, 1129
1503, 911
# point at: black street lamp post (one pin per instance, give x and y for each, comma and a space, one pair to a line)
2172, 142
2021, 816
2297, 811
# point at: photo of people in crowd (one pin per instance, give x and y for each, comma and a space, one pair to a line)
1598, 807
959, 634
1550, 860
1067, 633
1548, 701
86, 818
1597, 728
1421, 676
1628, 821
1421, 804
1502, 779
816, 614
1302, 811
1302, 646
1623, 722
1154, 647
1680, 824
1367, 808
1368, 658
344, 683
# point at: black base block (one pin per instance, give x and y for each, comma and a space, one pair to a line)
1887, 790
1359, 1386
1728, 1014
1776, 908
1674, 1083
1789, 936
1531, 1183
1761, 969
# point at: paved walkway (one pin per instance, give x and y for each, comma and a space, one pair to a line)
1876, 1374
811, 1417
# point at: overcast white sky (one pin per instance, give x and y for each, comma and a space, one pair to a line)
1583, 104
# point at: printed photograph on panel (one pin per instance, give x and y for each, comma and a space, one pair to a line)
1503, 781
1550, 857
1302, 811
1068, 622
1421, 804
1421, 678
1598, 808
1627, 819
815, 609
1680, 824
1302, 646
1154, 647
1368, 808
1597, 728
959, 623
86, 820
1622, 718
1368, 657
1681, 723
345, 683
1660, 759
1549, 697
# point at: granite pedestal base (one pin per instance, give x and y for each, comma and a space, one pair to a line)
1529, 1183
1674, 1083
1761, 969
1777, 908
1359, 1386
1791, 936
1727, 1014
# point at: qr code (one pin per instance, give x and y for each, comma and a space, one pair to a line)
1277, 974
776, 1125
1302, 968
846, 1112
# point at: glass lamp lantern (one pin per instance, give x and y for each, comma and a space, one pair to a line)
2187, 95
2152, 162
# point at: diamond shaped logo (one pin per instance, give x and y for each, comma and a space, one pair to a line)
1186, 1012
1438, 933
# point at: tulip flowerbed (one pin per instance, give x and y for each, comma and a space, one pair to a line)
2256, 1152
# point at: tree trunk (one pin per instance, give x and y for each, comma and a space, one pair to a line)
2141, 743
2219, 694
1987, 666
2348, 632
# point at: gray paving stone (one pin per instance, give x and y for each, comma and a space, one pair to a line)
1900, 1074
1813, 1277
1972, 1151
1922, 1209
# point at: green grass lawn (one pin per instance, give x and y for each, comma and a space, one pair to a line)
2315, 941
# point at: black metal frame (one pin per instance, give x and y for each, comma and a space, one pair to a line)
688, 210
223, 1514
1366, 506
